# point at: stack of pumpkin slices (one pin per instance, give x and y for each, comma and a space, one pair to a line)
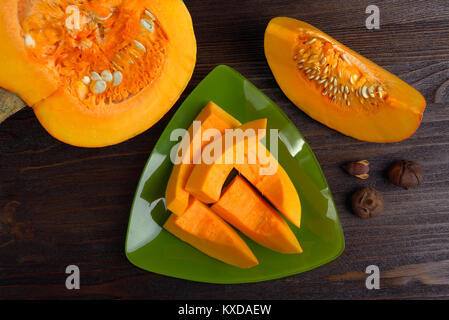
203, 209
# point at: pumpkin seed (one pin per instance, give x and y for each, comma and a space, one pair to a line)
148, 13
105, 18
140, 46
118, 77
99, 87
106, 75
86, 80
95, 76
365, 92
311, 41
82, 90
148, 25
346, 58
29, 41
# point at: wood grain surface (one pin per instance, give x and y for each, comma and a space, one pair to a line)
61, 205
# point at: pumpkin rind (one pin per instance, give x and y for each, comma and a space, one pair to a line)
102, 120
389, 117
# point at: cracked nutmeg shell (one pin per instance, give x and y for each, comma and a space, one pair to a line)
359, 169
367, 203
406, 174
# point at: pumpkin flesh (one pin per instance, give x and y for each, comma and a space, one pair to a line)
207, 178
211, 117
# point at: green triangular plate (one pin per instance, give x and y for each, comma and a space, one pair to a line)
151, 248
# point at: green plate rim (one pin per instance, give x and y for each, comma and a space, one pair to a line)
263, 278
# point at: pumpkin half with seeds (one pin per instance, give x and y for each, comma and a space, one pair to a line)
96, 72
339, 87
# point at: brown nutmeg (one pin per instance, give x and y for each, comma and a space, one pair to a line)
406, 174
359, 169
367, 203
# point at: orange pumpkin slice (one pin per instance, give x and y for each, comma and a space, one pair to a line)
246, 210
204, 230
96, 72
276, 187
207, 178
265, 174
338, 87
211, 117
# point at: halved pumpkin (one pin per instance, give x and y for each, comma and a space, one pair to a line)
96, 72
338, 87
241, 206
211, 117
207, 178
204, 230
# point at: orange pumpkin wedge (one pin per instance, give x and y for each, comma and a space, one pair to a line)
338, 87
266, 175
96, 72
207, 178
241, 206
204, 230
277, 187
211, 117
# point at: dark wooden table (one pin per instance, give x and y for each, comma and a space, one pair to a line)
61, 205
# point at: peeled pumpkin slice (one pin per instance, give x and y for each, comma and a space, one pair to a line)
211, 117
96, 72
241, 206
204, 230
277, 188
338, 87
207, 178
266, 175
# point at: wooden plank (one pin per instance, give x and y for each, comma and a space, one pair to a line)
61, 205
